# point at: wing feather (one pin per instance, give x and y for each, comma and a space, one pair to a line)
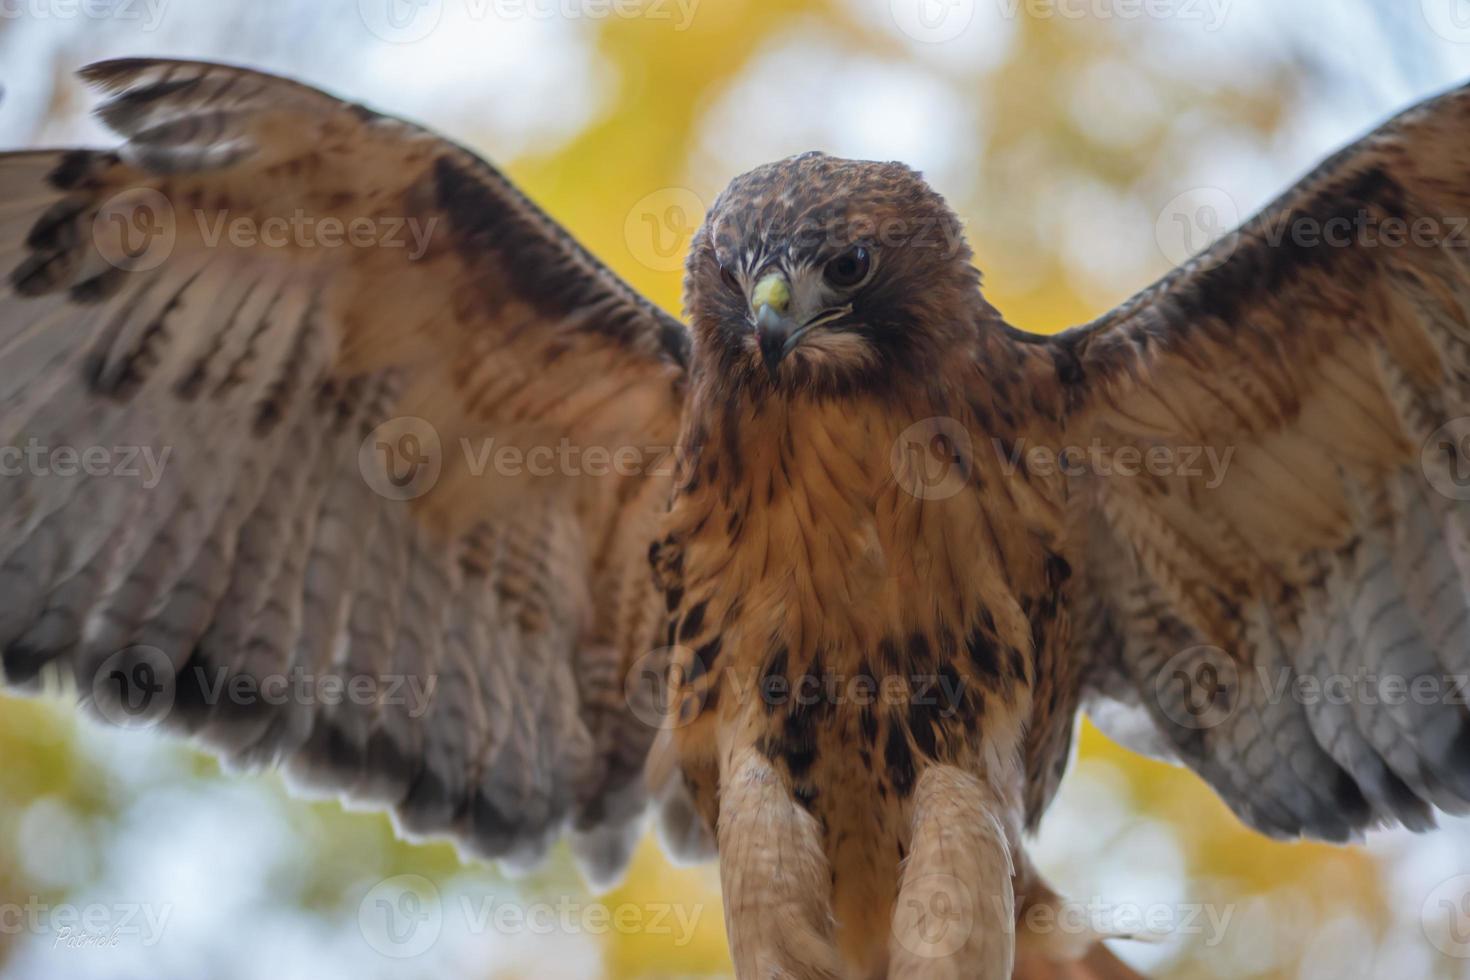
313, 516
1320, 583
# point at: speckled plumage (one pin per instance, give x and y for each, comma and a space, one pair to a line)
877, 608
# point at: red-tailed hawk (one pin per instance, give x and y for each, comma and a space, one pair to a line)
896, 544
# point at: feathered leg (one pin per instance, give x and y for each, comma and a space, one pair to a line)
775, 878
955, 916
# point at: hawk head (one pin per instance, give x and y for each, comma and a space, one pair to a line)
829, 275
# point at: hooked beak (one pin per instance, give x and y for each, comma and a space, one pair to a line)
774, 328
776, 331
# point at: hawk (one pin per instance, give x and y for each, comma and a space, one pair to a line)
896, 544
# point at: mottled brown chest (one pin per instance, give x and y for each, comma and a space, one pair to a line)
829, 605
858, 591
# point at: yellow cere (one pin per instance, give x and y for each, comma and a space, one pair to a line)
772, 291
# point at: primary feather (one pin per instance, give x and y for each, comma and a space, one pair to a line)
277, 546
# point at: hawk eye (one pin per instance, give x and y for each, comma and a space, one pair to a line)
849, 268
728, 275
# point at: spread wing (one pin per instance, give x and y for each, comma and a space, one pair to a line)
1269, 503
326, 447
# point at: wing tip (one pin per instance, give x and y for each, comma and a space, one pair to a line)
113, 74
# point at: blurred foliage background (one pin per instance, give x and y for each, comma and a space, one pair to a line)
1088, 144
